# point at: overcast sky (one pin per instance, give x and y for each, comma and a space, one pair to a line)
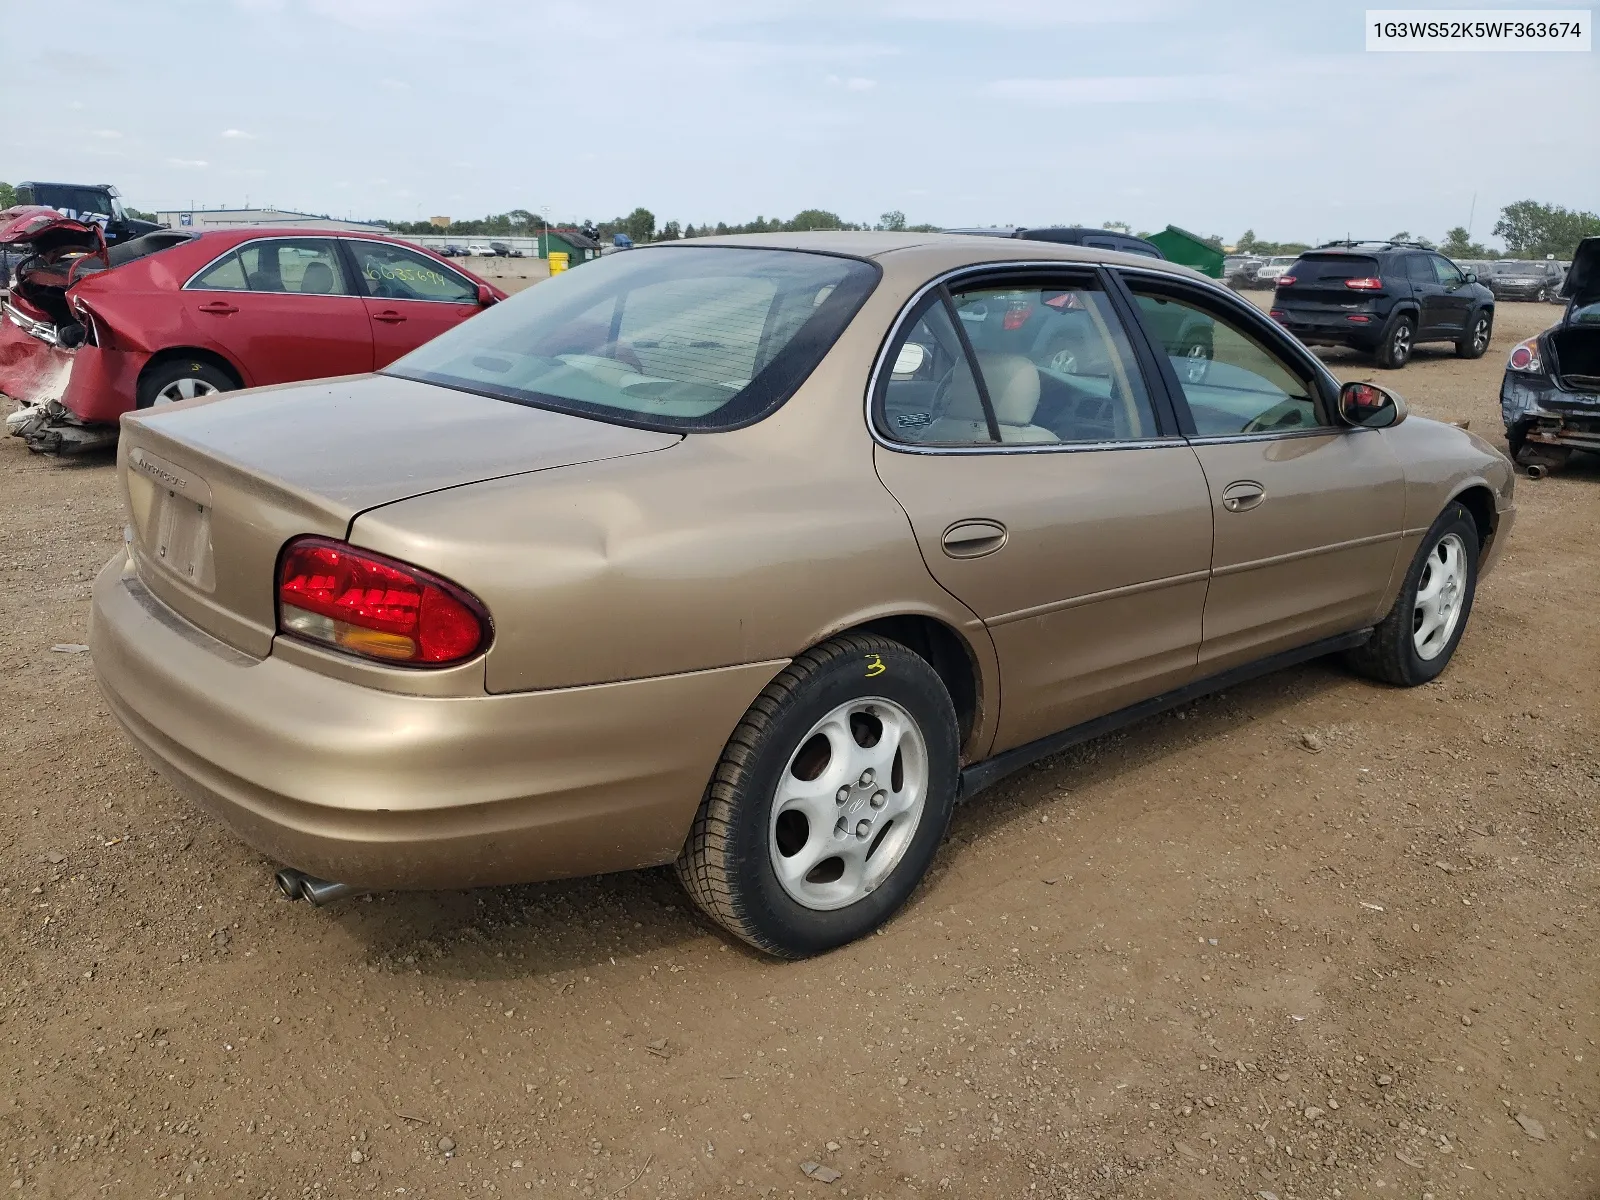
1215, 116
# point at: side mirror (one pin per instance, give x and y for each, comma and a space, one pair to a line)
485, 296
1472, 277
1369, 406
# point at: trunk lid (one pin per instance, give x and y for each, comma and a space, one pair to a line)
215, 487
54, 249
1582, 284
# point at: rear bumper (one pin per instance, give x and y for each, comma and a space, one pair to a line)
97, 386
1536, 410
1333, 330
385, 790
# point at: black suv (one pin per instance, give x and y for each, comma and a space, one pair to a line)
1383, 298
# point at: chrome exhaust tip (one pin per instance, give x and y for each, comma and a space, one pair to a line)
291, 883
322, 891
1537, 471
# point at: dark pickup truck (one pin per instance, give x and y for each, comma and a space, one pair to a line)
97, 202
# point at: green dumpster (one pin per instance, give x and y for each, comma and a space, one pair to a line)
1181, 246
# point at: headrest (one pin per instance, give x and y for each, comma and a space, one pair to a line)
318, 278
1013, 383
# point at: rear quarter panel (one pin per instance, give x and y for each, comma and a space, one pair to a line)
736, 547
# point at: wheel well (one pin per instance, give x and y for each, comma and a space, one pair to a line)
194, 353
945, 650
1479, 501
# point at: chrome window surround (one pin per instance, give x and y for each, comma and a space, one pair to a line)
991, 268
327, 237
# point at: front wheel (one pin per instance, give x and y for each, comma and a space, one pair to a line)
830, 800
1475, 337
1415, 642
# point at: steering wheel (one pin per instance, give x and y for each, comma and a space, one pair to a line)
1277, 417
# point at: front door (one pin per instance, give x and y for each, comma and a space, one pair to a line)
410, 297
1308, 513
1048, 493
1456, 297
283, 309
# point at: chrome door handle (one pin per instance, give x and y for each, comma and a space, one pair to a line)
973, 539
1245, 494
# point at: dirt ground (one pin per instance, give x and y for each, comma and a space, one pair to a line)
1311, 938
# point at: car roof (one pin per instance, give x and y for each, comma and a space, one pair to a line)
937, 252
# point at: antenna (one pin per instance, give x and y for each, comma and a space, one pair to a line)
1471, 213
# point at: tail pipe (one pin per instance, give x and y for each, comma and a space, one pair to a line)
297, 885
1537, 470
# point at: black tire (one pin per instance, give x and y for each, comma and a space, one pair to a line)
206, 377
1475, 337
726, 864
1394, 351
1391, 655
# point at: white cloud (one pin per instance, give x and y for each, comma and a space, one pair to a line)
1124, 89
188, 164
108, 134
238, 134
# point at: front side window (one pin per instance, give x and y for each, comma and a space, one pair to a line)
300, 266
682, 338
395, 273
1447, 272
1054, 367
1233, 382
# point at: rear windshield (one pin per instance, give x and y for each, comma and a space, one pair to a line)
143, 247
679, 338
1334, 268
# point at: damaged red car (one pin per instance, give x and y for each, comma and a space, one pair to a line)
89, 333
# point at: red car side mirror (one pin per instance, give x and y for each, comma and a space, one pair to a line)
485, 296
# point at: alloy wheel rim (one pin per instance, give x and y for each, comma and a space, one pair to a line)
1196, 363
1480, 334
1402, 343
186, 388
1440, 593
848, 804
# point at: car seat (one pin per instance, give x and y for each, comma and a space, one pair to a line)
318, 279
1013, 384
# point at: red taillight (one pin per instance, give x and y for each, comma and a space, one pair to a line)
1364, 285
377, 607
1278, 314
1017, 314
1525, 357
1285, 280
1359, 318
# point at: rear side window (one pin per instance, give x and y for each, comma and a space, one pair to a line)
1334, 269
305, 266
686, 339
1420, 269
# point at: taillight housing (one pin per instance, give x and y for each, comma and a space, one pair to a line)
1285, 280
1364, 285
337, 595
1278, 314
1525, 357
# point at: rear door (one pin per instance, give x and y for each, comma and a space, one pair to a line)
283, 308
411, 298
1307, 513
1049, 491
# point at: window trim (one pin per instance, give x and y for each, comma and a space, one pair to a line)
247, 290
353, 267
1325, 387
1001, 272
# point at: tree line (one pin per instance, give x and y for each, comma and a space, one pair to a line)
1528, 228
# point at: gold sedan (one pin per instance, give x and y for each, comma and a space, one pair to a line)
754, 556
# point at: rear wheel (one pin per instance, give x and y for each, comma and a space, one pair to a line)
830, 800
1414, 643
182, 379
1474, 338
1394, 351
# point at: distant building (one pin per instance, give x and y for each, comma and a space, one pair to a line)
233, 218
